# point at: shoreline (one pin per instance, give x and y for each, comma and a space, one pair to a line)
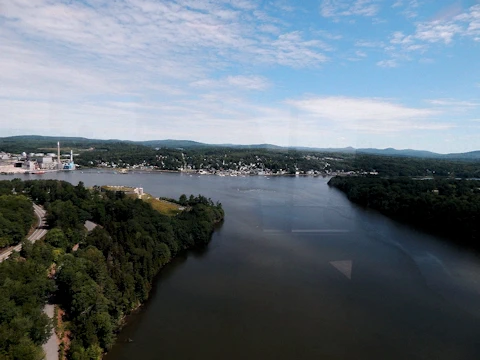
204, 174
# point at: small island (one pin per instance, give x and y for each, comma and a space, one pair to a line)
94, 276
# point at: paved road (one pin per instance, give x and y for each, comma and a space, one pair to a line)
39, 232
51, 346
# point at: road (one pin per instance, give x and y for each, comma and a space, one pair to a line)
51, 346
39, 232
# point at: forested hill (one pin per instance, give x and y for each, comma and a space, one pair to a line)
109, 275
37, 143
442, 206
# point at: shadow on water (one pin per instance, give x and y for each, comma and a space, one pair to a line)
133, 320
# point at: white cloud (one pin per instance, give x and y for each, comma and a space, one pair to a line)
437, 31
370, 44
336, 8
248, 82
145, 31
409, 7
368, 114
452, 102
387, 63
236, 82
442, 30
454, 105
397, 3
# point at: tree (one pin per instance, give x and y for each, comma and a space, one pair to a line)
56, 237
183, 200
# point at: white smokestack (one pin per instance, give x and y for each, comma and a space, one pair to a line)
71, 155
58, 145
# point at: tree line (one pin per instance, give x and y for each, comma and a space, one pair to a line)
446, 207
113, 270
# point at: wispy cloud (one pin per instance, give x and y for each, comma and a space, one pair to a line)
454, 105
369, 44
337, 8
452, 102
369, 114
236, 82
387, 63
145, 31
442, 30
409, 8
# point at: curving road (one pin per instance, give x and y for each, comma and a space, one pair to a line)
39, 232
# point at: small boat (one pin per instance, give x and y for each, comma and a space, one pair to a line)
38, 172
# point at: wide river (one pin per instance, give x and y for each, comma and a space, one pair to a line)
298, 272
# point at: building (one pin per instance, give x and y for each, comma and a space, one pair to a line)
45, 162
27, 165
69, 165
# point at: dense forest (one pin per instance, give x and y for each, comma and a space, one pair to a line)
16, 219
445, 207
24, 289
110, 274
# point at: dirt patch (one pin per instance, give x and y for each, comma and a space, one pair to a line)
62, 332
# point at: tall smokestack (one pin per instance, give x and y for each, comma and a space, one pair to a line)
71, 156
58, 159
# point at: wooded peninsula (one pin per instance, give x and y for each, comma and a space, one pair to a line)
445, 207
99, 281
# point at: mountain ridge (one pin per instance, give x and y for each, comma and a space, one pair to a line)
190, 144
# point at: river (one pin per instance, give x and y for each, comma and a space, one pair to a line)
296, 271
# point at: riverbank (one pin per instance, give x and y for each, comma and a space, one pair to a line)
137, 234
444, 207
216, 173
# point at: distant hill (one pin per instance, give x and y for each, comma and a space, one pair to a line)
189, 144
16, 142
169, 143
472, 155
253, 146
404, 152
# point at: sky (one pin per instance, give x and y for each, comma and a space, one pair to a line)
324, 73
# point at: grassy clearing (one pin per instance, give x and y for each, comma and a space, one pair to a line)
118, 188
162, 206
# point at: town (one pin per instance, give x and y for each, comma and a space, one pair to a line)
211, 167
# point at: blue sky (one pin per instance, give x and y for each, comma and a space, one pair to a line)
325, 73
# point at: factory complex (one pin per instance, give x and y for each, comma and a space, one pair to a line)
36, 163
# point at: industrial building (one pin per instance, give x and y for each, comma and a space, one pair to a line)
36, 163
